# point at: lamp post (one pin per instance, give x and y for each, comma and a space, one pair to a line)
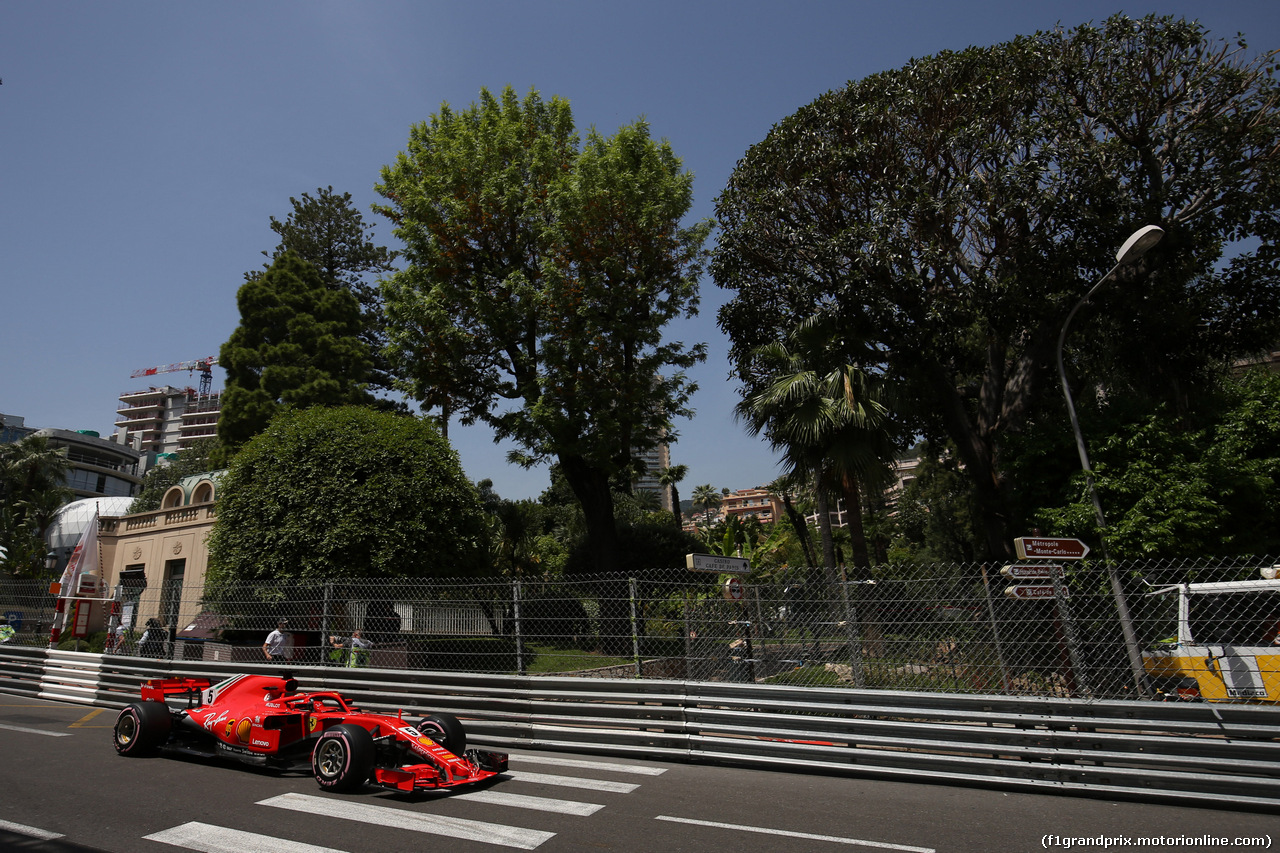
1134, 248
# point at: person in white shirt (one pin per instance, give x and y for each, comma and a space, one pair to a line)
274, 648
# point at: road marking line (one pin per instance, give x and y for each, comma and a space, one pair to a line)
33, 731
453, 827
523, 801
572, 782
636, 769
86, 718
883, 845
33, 832
219, 839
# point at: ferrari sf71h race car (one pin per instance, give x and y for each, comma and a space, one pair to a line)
264, 720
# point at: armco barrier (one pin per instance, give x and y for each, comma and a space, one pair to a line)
1195, 753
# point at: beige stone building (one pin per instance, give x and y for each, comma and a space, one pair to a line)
160, 557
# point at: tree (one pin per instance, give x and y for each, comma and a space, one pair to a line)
671, 477
825, 413
953, 211
297, 345
32, 490
1172, 488
540, 277
331, 235
934, 522
706, 496
346, 492
196, 459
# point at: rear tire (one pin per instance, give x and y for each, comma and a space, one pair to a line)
142, 727
343, 758
446, 730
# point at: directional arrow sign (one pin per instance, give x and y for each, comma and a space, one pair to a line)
713, 563
1028, 592
1040, 548
1031, 571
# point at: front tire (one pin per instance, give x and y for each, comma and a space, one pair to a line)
343, 758
446, 730
141, 727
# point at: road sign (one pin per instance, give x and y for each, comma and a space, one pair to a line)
1041, 548
1033, 591
734, 590
719, 565
1031, 571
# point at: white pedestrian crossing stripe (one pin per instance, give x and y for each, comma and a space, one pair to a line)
572, 782
214, 839
524, 801
218, 839
453, 827
634, 769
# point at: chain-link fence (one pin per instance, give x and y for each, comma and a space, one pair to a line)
1155, 630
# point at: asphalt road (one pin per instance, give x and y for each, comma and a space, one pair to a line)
63, 789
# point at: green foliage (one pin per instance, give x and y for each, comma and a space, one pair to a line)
541, 275
643, 546
1170, 488
330, 234
935, 521
32, 491
297, 345
196, 459
951, 213
346, 492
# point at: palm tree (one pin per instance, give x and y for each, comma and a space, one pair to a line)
827, 417
706, 497
669, 477
32, 490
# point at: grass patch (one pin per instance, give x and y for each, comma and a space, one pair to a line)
542, 658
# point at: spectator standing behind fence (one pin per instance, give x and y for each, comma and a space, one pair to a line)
273, 648
352, 652
152, 643
6, 630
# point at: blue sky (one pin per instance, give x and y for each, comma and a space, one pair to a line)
144, 146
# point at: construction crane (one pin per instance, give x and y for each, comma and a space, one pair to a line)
204, 365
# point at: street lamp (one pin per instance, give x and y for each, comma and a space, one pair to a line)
1134, 248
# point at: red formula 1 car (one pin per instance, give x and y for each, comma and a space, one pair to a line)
264, 720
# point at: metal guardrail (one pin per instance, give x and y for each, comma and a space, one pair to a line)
1195, 753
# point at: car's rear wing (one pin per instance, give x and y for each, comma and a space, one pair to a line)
159, 689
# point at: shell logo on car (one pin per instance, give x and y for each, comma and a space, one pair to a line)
242, 730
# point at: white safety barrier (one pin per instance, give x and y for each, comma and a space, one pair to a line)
1185, 752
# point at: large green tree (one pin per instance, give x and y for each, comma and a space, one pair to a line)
328, 232
953, 211
32, 490
541, 274
297, 345
346, 492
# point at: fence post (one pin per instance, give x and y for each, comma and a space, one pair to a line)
635, 629
515, 615
852, 634
324, 623
1069, 628
995, 633
688, 638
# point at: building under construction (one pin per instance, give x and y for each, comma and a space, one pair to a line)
165, 419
